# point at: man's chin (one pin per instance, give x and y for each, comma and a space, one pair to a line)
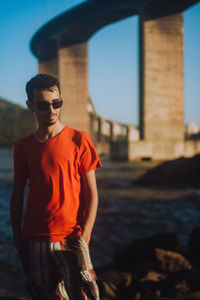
50, 122
46, 121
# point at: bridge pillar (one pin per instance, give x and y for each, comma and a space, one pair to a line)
162, 79
73, 76
49, 67
94, 127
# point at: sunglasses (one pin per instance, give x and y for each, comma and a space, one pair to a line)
44, 105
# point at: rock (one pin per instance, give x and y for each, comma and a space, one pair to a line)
139, 256
169, 261
180, 283
193, 279
194, 247
173, 286
150, 269
150, 284
107, 290
180, 171
117, 278
190, 296
182, 287
153, 276
113, 284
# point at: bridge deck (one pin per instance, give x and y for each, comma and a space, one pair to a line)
78, 24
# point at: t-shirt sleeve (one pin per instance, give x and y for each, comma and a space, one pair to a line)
20, 164
89, 159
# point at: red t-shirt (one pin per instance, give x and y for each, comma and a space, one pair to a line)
54, 210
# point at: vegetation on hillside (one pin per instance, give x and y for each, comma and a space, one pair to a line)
15, 123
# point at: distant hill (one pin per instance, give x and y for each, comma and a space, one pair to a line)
15, 122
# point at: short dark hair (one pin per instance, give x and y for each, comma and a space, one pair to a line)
41, 82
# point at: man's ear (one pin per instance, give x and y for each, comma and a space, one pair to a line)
30, 105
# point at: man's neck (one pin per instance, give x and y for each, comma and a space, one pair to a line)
46, 133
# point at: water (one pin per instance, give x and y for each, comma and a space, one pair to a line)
6, 179
6, 163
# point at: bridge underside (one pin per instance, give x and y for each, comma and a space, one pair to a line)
77, 25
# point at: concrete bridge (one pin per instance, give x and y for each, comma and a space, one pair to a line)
61, 47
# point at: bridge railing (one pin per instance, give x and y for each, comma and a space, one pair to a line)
106, 133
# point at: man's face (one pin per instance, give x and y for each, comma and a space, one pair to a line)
49, 116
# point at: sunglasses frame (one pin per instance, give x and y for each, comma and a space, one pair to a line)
56, 104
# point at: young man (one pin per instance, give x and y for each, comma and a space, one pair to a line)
60, 164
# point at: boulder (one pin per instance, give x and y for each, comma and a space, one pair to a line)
151, 269
113, 284
139, 256
117, 278
181, 171
193, 279
169, 261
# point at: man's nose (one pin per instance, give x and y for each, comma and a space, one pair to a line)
50, 109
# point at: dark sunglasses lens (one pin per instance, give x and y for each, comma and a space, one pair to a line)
44, 106
57, 104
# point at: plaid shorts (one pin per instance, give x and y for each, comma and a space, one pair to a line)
59, 270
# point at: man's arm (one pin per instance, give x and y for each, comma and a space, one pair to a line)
16, 211
91, 199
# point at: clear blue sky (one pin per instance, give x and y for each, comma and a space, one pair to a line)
113, 53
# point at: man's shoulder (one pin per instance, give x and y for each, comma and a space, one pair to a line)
78, 136
76, 132
25, 140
